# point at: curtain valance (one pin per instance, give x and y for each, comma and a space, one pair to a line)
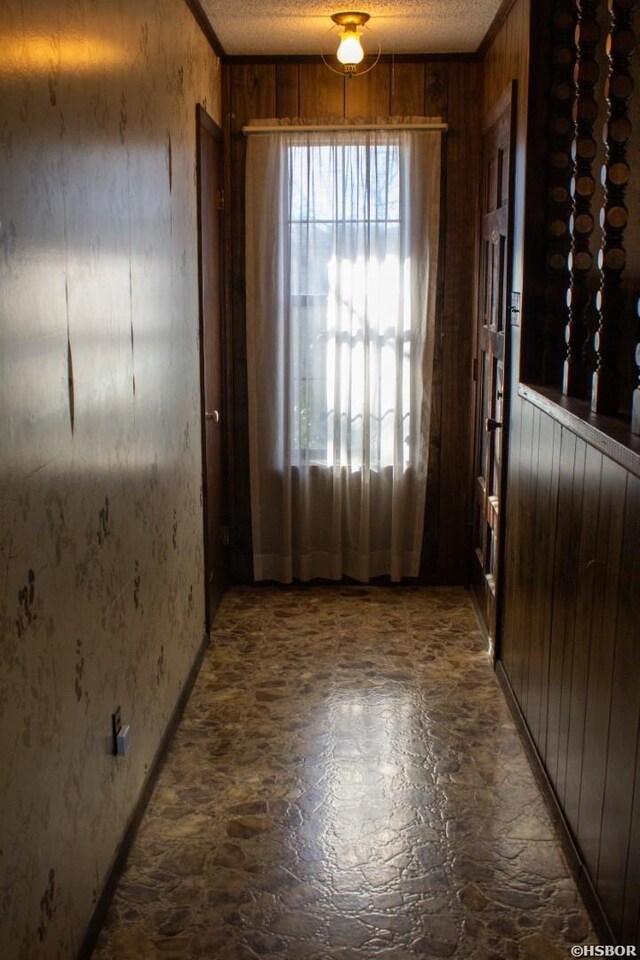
319, 124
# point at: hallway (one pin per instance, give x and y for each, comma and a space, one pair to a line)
346, 782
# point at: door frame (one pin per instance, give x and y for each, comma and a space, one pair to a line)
203, 119
508, 98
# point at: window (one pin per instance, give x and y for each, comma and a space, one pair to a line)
342, 248
349, 353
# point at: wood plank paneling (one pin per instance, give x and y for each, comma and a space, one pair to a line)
566, 603
436, 93
606, 572
249, 92
462, 145
253, 92
546, 509
623, 729
441, 88
287, 90
530, 676
407, 89
429, 568
528, 581
564, 575
321, 91
508, 650
584, 606
520, 560
630, 932
571, 469
369, 95
436, 88
507, 56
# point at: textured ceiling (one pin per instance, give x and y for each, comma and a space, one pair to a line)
300, 26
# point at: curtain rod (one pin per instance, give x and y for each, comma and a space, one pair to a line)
318, 128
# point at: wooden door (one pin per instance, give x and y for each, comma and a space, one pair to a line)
210, 206
493, 311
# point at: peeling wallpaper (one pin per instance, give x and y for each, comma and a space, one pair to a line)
100, 486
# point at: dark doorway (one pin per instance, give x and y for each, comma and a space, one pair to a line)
210, 249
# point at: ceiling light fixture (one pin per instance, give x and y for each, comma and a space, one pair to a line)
351, 54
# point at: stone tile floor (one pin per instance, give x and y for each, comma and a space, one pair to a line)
346, 783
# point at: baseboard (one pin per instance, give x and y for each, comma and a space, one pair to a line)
570, 848
100, 912
481, 623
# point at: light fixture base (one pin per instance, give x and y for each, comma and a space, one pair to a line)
350, 19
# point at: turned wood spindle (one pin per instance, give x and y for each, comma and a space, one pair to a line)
561, 169
621, 43
585, 111
635, 404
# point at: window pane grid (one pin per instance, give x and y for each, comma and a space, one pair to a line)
352, 336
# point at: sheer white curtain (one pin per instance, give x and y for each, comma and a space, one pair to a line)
341, 258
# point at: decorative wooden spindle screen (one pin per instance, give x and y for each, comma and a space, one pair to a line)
561, 168
585, 110
610, 301
593, 254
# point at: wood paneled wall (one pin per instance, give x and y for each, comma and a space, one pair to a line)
570, 640
447, 88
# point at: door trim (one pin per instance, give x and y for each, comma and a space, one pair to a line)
203, 119
511, 93
507, 99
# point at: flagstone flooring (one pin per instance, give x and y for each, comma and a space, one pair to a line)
347, 783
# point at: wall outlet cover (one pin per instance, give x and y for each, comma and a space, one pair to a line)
123, 740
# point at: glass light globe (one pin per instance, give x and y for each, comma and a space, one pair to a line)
350, 49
